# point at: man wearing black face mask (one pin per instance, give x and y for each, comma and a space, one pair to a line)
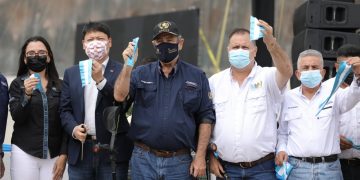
349, 121
171, 99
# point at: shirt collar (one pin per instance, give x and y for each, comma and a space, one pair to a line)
174, 70
104, 64
252, 73
299, 92
253, 70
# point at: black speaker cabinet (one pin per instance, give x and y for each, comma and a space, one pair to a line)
327, 15
327, 42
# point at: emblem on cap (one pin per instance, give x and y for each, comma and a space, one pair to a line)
164, 25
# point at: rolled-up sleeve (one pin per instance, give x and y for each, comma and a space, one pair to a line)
206, 113
282, 136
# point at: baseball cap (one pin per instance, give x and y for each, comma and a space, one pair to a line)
165, 26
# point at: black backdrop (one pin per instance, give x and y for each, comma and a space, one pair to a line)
124, 30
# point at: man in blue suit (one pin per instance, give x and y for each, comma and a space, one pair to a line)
82, 109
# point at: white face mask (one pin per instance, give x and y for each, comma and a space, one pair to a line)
96, 49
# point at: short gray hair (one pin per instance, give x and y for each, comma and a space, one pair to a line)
310, 52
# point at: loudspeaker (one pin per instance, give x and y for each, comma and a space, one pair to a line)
263, 10
329, 66
327, 42
327, 15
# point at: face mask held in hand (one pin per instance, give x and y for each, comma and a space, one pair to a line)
167, 52
239, 58
95, 50
310, 78
36, 63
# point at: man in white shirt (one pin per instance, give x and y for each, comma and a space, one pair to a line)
312, 141
246, 98
349, 121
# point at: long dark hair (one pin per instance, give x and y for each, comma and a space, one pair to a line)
51, 71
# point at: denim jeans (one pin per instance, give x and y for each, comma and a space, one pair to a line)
262, 171
350, 172
94, 168
145, 165
314, 171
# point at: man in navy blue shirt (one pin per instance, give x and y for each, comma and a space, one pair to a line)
172, 103
4, 100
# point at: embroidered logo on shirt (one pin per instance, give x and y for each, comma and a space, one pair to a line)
292, 107
257, 85
4, 83
190, 84
147, 82
210, 95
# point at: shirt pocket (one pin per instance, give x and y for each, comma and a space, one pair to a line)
291, 115
190, 96
325, 113
220, 107
324, 118
256, 101
53, 99
147, 94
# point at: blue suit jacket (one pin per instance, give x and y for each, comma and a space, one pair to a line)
72, 112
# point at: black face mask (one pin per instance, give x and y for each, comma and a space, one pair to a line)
36, 63
349, 78
167, 52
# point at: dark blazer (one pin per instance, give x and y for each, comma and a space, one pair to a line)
72, 112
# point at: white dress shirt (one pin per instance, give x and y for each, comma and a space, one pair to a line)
302, 133
90, 98
245, 128
350, 128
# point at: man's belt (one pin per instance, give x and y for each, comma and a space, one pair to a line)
162, 153
315, 160
351, 162
246, 165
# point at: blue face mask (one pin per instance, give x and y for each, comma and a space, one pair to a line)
239, 58
310, 78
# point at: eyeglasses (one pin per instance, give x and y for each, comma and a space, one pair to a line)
39, 53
